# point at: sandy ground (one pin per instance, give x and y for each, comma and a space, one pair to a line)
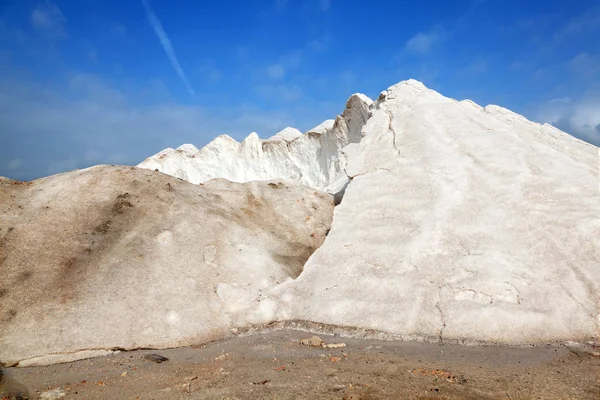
275, 366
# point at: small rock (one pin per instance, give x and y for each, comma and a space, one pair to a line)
314, 341
157, 358
579, 352
337, 388
124, 374
54, 394
334, 345
331, 371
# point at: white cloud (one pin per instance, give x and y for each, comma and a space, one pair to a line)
280, 5
324, 5
580, 118
423, 42
214, 76
89, 51
319, 45
118, 29
166, 43
276, 71
208, 70
92, 55
287, 93
585, 23
293, 58
88, 122
57, 167
477, 66
48, 18
15, 164
586, 65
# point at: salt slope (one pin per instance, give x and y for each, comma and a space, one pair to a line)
461, 223
314, 159
121, 257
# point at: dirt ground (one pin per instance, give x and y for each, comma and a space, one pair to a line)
275, 366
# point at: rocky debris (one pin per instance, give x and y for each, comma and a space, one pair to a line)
582, 349
157, 358
438, 374
53, 394
316, 341
337, 388
194, 384
333, 345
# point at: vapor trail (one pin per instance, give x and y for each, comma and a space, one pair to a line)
166, 44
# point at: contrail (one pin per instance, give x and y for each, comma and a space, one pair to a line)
166, 44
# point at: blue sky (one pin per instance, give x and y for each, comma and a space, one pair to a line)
88, 82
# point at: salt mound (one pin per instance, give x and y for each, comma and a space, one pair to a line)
121, 257
460, 223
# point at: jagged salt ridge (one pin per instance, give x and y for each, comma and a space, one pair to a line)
314, 159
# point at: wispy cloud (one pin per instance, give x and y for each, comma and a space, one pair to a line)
126, 126
585, 23
15, 164
423, 42
49, 19
280, 5
321, 5
208, 70
288, 93
580, 117
293, 58
319, 45
585, 65
89, 51
324, 5
478, 66
166, 43
276, 71
118, 29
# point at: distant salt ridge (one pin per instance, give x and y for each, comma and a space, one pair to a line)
314, 158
